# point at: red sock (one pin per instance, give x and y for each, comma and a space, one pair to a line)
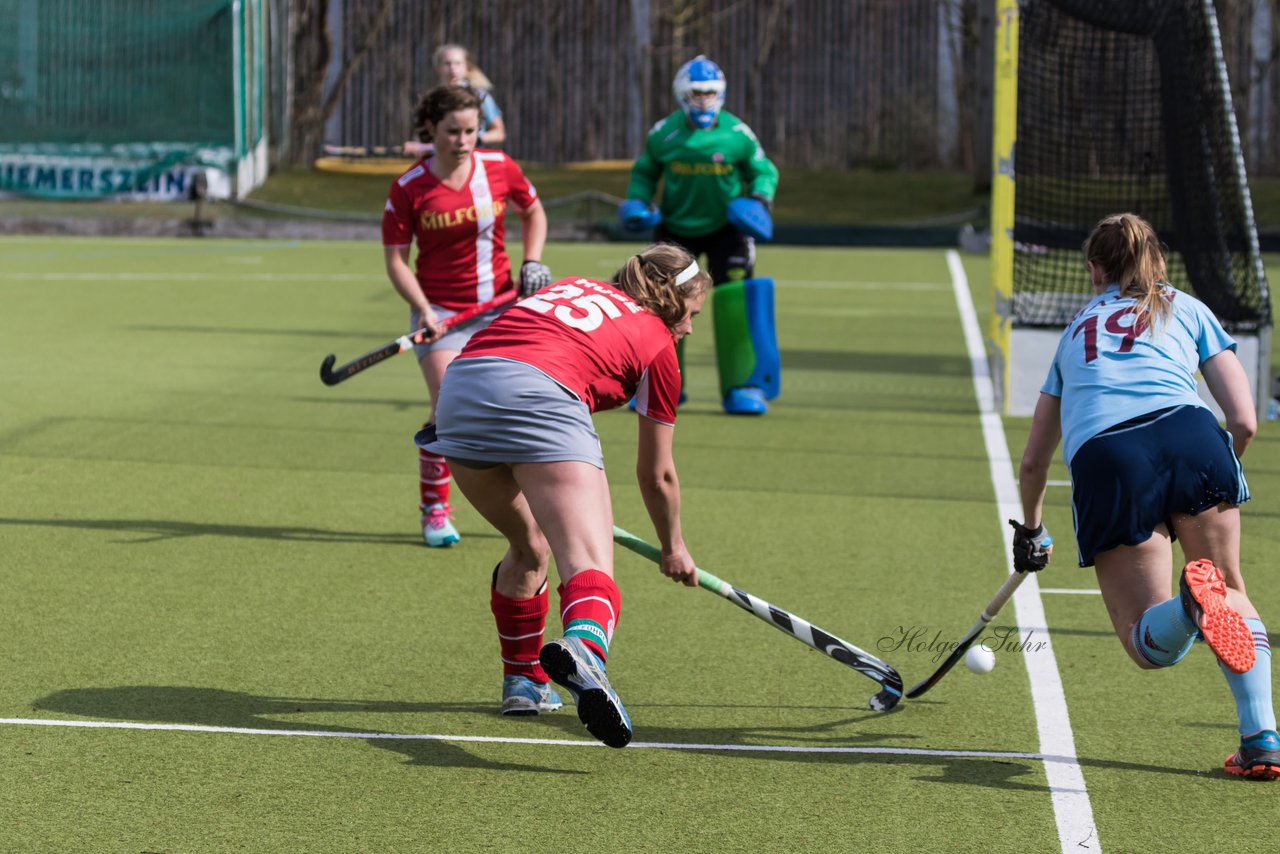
433, 479
590, 605
520, 624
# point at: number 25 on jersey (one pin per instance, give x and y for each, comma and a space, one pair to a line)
582, 304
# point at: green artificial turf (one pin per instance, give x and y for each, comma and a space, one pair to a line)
194, 531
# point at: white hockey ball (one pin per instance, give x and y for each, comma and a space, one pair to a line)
980, 659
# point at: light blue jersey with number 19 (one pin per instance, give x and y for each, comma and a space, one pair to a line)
1108, 369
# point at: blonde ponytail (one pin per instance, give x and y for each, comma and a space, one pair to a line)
1126, 251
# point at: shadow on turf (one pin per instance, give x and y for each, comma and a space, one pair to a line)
986, 771
157, 530
264, 332
217, 708
925, 364
397, 404
214, 707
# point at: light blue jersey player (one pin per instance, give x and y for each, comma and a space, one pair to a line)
1149, 465
1111, 366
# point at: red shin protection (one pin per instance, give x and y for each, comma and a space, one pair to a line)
520, 626
590, 605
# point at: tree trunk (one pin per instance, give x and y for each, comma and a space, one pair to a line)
313, 48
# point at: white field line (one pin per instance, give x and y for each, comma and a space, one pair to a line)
1071, 808
1070, 590
239, 275
825, 285
195, 276
561, 742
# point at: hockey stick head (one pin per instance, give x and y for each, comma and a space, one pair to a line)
988, 614
867, 665
346, 371
327, 376
885, 699
943, 669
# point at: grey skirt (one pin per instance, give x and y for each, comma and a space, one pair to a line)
492, 410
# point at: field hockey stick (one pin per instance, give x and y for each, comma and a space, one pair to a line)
331, 376
802, 630
988, 614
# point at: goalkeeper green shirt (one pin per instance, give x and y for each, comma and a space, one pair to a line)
701, 171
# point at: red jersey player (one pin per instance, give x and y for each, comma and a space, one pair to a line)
452, 205
514, 419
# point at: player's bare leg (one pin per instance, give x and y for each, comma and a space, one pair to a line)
570, 501
1134, 580
496, 496
518, 596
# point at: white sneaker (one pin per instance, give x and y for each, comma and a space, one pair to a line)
437, 530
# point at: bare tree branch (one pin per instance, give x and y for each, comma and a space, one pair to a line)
358, 58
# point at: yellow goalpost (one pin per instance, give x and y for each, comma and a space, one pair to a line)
1002, 187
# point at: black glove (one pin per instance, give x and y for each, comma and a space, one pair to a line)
764, 200
534, 276
1030, 548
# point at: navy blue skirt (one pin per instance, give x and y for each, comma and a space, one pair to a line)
1133, 477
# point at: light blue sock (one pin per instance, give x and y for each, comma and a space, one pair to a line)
1164, 633
1252, 690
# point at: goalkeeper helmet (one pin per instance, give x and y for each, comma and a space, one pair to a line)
696, 76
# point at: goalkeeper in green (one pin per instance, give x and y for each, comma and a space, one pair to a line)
718, 188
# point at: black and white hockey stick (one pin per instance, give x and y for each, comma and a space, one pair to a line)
842, 651
988, 614
329, 375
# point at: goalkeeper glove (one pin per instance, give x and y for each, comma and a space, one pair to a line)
534, 276
637, 215
750, 215
1031, 549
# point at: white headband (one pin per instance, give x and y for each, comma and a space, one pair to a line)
687, 273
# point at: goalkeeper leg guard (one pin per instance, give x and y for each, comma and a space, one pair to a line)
746, 343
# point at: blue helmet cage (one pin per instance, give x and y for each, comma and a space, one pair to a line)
699, 75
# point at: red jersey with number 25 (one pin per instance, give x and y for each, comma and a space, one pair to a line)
594, 340
462, 259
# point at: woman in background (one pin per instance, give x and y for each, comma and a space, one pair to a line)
454, 65
452, 205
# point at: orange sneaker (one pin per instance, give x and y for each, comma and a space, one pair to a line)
1258, 757
1204, 598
